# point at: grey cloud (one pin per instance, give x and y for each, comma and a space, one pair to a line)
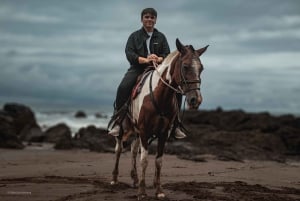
72, 52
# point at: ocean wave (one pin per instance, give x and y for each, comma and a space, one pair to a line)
52, 118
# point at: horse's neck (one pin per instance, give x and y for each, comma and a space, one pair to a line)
168, 67
164, 80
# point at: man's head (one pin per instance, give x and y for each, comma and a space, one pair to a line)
148, 18
150, 11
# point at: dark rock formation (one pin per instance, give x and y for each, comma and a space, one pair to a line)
59, 134
94, 139
226, 135
18, 124
236, 135
100, 115
8, 136
80, 114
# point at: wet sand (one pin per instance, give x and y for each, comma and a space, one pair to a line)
40, 173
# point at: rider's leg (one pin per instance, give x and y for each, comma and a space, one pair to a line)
123, 94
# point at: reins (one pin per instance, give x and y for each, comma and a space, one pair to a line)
179, 90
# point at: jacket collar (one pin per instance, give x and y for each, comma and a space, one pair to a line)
145, 34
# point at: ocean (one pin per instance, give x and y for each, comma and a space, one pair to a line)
51, 118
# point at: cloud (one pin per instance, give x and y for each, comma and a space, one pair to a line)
70, 52
8, 13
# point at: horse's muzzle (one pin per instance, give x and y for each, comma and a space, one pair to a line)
194, 101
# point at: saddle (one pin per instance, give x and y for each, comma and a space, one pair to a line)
123, 112
140, 82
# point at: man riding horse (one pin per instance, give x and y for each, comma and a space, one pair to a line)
144, 47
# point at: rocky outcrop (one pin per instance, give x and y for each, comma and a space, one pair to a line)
100, 115
226, 135
18, 124
94, 139
236, 135
24, 122
8, 134
80, 114
61, 135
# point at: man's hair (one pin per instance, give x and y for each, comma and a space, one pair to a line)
151, 11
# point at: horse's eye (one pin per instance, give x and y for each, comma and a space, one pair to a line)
185, 66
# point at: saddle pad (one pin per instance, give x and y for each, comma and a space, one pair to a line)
138, 87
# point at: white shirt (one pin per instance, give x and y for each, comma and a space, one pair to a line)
148, 42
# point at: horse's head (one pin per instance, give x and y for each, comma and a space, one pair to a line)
189, 75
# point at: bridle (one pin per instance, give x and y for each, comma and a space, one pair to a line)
178, 90
183, 82
186, 82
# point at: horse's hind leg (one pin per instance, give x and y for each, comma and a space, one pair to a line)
158, 166
134, 151
118, 150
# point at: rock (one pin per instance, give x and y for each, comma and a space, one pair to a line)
80, 114
64, 142
227, 135
290, 136
236, 135
61, 135
94, 139
58, 133
24, 122
32, 134
8, 136
100, 115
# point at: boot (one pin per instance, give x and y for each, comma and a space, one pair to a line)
115, 131
178, 129
116, 120
179, 134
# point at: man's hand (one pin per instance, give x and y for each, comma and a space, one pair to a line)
143, 60
150, 58
155, 58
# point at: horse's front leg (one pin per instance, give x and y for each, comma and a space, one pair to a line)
144, 164
158, 165
118, 150
134, 151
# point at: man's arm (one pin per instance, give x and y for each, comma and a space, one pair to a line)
165, 47
131, 55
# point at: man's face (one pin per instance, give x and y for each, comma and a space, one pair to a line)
148, 21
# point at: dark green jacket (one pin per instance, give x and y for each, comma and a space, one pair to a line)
136, 46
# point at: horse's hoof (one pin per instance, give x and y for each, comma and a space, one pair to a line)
113, 182
134, 185
142, 196
160, 195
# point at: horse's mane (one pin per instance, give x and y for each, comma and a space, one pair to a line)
170, 57
167, 63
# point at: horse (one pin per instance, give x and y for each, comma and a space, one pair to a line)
153, 111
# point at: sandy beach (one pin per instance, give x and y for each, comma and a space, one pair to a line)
40, 173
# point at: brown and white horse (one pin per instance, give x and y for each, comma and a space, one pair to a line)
154, 110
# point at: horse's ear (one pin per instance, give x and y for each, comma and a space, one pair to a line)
180, 47
201, 50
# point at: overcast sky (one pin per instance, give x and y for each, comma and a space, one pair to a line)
70, 53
